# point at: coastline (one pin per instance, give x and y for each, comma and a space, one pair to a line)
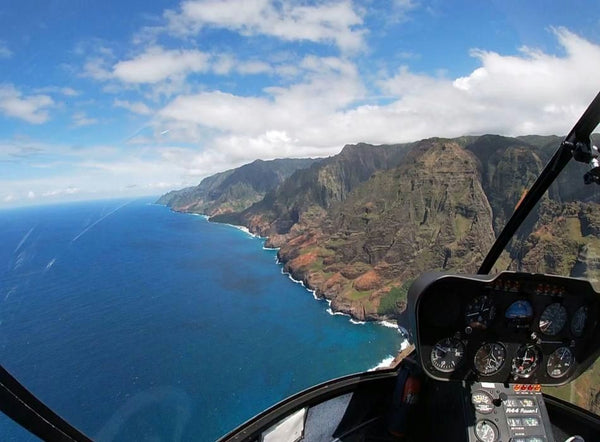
389, 361
317, 293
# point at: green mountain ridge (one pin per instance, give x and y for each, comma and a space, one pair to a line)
236, 189
359, 226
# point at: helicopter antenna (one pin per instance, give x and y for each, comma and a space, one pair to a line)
576, 145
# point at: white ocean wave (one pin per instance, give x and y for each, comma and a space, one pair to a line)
385, 363
245, 230
270, 248
201, 215
357, 322
51, 263
388, 324
24, 239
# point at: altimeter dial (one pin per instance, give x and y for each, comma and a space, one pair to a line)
490, 358
526, 361
553, 319
447, 354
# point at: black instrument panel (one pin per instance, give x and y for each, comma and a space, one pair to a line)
511, 327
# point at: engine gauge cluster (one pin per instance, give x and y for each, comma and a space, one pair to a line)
511, 327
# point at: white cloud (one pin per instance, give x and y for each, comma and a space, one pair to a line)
4, 51
81, 119
330, 85
32, 108
136, 107
60, 192
253, 67
98, 68
66, 91
157, 64
31, 194
326, 22
532, 92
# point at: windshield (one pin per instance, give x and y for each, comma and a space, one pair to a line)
340, 148
561, 237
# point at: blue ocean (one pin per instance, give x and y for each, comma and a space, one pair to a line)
134, 322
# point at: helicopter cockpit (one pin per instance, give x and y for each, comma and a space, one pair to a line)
503, 337
485, 347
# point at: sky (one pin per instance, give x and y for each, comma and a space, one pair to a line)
129, 98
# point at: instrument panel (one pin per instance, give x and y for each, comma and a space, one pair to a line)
506, 328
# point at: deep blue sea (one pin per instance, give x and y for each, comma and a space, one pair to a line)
137, 323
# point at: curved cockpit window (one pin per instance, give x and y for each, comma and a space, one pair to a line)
561, 236
136, 322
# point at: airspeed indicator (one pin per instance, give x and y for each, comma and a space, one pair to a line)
553, 319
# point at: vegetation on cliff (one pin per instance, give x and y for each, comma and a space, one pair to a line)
359, 226
236, 189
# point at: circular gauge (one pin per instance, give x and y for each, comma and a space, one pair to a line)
447, 354
526, 361
553, 319
519, 313
559, 362
578, 321
490, 358
482, 401
486, 431
480, 312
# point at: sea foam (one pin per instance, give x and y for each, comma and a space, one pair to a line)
385, 363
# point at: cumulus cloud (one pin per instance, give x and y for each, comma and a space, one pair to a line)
60, 192
329, 84
31, 108
532, 92
66, 91
81, 119
325, 22
157, 64
136, 107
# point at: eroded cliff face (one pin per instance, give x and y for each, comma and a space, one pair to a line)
236, 189
309, 191
358, 227
428, 213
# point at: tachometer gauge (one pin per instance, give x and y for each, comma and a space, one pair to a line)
482, 401
553, 319
578, 321
559, 362
447, 354
486, 431
490, 358
480, 312
526, 361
